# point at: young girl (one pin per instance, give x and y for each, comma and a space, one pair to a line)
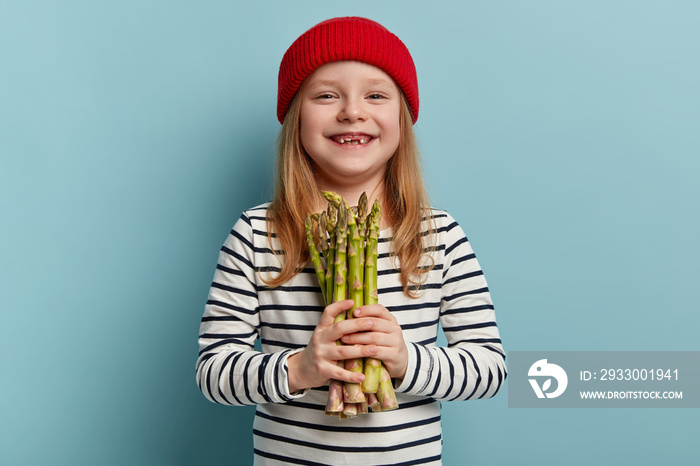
347, 101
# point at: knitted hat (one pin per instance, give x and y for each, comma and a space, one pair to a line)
348, 38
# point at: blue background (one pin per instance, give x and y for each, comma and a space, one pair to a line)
562, 135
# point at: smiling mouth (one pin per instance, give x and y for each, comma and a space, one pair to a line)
352, 139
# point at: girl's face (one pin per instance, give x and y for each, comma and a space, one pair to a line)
350, 124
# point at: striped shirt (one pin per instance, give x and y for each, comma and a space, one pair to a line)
291, 428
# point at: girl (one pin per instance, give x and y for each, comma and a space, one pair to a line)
347, 101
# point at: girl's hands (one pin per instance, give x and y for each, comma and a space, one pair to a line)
374, 333
382, 336
316, 364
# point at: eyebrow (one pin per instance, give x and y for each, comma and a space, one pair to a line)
327, 82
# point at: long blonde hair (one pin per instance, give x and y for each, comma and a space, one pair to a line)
297, 192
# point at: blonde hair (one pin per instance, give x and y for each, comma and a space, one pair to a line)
297, 192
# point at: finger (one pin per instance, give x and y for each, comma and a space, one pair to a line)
339, 373
365, 338
337, 331
343, 352
384, 340
334, 310
367, 324
374, 310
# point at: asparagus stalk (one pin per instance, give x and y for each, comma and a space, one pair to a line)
334, 404
353, 391
362, 408
373, 402
322, 239
334, 199
341, 248
330, 257
372, 366
315, 256
361, 228
335, 391
350, 410
375, 371
371, 295
385, 392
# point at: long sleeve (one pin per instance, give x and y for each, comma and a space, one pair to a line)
229, 369
472, 366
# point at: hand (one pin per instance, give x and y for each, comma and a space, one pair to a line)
316, 364
383, 338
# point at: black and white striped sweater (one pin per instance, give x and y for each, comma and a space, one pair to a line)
292, 428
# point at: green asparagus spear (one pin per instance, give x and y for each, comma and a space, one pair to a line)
372, 369
330, 257
335, 393
353, 391
385, 392
361, 220
315, 256
322, 238
334, 199
341, 245
334, 404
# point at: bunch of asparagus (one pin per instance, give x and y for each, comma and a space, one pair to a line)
343, 247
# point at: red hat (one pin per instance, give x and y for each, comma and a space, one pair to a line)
348, 38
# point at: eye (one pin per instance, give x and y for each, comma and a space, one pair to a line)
376, 96
324, 96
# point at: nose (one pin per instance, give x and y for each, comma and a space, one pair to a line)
351, 111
